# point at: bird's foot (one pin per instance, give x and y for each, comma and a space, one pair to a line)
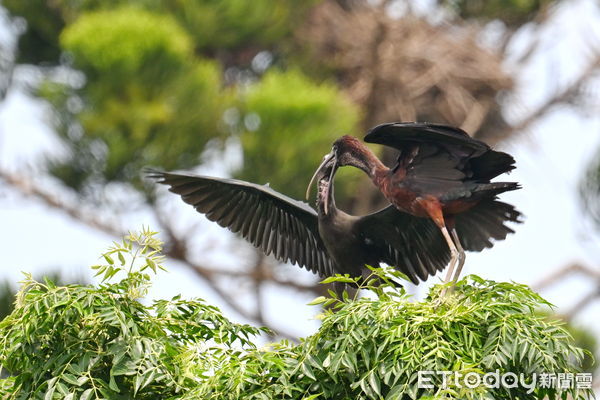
455, 255
447, 290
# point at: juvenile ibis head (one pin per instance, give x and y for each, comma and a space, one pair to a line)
347, 150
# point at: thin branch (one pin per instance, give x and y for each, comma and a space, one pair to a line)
561, 97
581, 304
29, 188
565, 271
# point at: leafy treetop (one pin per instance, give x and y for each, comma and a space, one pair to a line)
103, 342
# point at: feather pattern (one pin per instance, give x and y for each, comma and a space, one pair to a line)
411, 244
259, 214
486, 220
443, 161
399, 134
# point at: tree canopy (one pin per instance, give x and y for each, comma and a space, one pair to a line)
105, 341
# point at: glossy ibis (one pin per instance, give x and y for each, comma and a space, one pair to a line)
326, 241
441, 174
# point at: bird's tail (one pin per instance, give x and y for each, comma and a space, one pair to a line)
485, 221
491, 164
494, 188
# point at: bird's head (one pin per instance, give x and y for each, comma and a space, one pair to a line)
349, 150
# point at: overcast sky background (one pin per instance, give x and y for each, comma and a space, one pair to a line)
551, 158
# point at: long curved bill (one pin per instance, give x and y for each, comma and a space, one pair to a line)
326, 160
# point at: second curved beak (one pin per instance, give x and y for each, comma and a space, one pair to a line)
326, 160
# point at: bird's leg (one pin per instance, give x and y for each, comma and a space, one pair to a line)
433, 207
461, 254
454, 253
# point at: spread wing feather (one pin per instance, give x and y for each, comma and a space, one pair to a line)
485, 221
413, 245
440, 158
399, 134
269, 220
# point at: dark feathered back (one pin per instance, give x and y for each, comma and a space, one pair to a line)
472, 155
445, 161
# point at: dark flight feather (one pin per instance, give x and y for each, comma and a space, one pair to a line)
399, 134
411, 244
456, 151
486, 220
258, 213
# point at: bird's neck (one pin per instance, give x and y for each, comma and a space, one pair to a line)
371, 165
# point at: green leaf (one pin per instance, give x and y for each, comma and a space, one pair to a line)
312, 396
108, 259
339, 278
51, 388
121, 258
113, 384
375, 384
396, 392
86, 395
307, 370
70, 378
318, 300
151, 264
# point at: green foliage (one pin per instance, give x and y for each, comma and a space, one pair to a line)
123, 41
102, 342
213, 25
152, 91
373, 347
7, 291
90, 342
148, 100
485, 326
582, 337
230, 24
39, 41
296, 123
585, 339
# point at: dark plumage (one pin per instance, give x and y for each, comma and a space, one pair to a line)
325, 243
442, 175
442, 146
